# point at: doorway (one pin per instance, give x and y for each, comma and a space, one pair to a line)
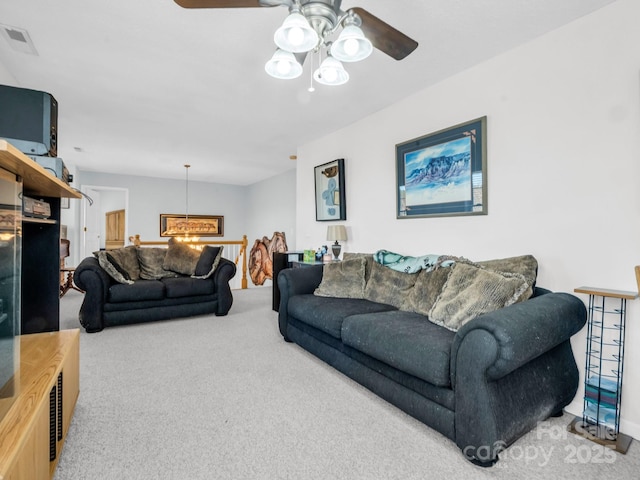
105, 199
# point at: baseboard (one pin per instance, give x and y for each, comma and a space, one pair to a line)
629, 428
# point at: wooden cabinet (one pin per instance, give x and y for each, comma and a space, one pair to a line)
114, 229
34, 429
40, 242
42, 392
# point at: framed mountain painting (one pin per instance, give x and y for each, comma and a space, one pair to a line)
443, 173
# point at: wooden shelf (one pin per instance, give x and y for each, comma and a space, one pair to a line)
604, 292
36, 180
38, 220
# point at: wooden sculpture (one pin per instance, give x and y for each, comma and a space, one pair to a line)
261, 257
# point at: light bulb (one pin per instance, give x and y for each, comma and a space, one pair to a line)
330, 74
351, 46
283, 67
295, 36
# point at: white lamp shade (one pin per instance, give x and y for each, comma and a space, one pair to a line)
351, 45
295, 34
283, 65
331, 72
336, 232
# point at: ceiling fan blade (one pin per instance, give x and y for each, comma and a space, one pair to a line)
384, 37
218, 3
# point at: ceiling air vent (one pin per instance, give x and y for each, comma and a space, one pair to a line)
18, 39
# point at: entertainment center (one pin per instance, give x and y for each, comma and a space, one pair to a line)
39, 392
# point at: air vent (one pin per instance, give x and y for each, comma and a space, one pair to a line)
18, 39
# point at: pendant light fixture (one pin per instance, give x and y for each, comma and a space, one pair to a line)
186, 237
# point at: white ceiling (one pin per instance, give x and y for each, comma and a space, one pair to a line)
145, 86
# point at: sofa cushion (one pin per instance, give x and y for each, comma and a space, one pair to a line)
208, 261
126, 259
151, 261
327, 313
426, 290
471, 291
187, 287
139, 291
343, 279
403, 340
368, 257
111, 266
180, 258
389, 286
526, 265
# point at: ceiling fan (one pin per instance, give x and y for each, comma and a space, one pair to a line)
310, 27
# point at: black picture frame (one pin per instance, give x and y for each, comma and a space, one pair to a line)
177, 225
330, 192
443, 173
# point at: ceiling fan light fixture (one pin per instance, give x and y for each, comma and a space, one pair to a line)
296, 35
351, 45
331, 72
283, 65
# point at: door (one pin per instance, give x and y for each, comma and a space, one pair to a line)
114, 228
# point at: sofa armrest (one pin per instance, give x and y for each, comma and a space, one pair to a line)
511, 369
521, 332
95, 282
295, 281
225, 271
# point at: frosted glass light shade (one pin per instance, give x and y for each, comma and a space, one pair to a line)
283, 65
331, 72
351, 45
296, 35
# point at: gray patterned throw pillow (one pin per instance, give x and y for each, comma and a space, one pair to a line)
343, 279
181, 258
472, 290
151, 261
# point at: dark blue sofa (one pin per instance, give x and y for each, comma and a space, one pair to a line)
483, 386
109, 303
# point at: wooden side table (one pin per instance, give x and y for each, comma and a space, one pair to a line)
67, 281
600, 421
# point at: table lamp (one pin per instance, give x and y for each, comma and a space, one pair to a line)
336, 232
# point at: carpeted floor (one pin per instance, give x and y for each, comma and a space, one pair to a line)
226, 398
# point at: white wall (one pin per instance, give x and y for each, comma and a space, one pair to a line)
563, 149
5, 77
149, 197
271, 207
255, 210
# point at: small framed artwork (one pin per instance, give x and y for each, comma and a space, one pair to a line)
443, 173
176, 225
64, 202
330, 195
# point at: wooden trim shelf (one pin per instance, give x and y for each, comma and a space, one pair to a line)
603, 292
48, 221
36, 180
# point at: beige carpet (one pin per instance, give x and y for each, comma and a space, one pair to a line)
226, 398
